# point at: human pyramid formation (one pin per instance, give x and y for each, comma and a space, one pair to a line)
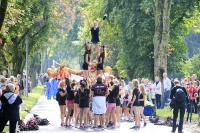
100, 52
101, 97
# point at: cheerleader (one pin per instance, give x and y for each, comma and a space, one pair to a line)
70, 101
86, 63
100, 61
95, 33
84, 100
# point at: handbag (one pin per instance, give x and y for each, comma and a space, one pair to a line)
173, 103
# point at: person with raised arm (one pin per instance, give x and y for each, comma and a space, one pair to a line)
95, 33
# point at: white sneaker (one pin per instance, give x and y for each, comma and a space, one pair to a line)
118, 124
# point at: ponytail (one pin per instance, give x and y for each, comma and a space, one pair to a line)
83, 84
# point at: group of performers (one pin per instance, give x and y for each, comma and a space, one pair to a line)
51, 88
100, 51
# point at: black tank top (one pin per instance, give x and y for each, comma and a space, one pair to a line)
85, 56
95, 34
101, 56
141, 102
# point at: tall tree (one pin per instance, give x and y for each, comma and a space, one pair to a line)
3, 7
161, 10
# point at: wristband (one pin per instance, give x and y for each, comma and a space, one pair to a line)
104, 17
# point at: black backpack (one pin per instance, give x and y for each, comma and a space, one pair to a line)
58, 96
180, 95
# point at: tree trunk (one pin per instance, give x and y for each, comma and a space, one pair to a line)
3, 7
161, 37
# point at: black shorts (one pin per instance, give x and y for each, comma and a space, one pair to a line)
61, 102
118, 102
85, 66
76, 100
99, 67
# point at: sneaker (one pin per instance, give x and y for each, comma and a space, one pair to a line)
81, 127
145, 124
100, 127
94, 127
180, 132
62, 124
112, 127
172, 132
133, 127
76, 125
137, 128
118, 124
67, 126
86, 127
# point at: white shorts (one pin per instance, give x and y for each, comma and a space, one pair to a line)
99, 105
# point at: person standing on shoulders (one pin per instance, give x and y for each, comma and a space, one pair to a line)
95, 34
179, 94
167, 89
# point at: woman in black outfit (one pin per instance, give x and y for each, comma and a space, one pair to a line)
136, 104
86, 63
69, 101
76, 107
10, 108
61, 101
84, 100
111, 106
100, 61
142, 100
95, 33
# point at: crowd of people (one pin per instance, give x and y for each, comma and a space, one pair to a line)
11, 90
109, 100
104, 98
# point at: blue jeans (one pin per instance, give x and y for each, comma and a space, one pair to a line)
178, 107
166, 98
158, 101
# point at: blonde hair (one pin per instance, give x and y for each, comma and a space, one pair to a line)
10, 87
2, 79
142, 89
116, 81
135, 83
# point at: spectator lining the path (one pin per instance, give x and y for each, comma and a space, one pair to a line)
10, 102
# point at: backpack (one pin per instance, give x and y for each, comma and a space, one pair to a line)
180, 95
58, 96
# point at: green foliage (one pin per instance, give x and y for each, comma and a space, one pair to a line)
130, 31
193, 41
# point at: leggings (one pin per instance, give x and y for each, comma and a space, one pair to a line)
12, 126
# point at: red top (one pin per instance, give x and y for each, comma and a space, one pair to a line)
192, 91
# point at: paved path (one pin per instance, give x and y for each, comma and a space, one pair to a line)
49, 109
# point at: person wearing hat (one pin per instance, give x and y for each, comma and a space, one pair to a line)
10, 108
99, 91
